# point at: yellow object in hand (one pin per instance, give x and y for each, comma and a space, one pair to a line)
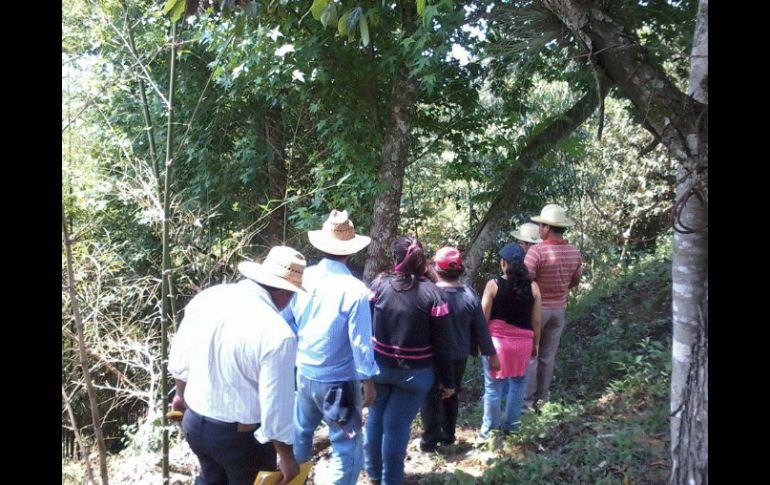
273, 478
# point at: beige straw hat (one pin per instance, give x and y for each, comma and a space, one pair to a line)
338, 236
553, 215
282, 268
528, 232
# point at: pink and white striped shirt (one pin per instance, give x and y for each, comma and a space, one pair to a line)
553, 265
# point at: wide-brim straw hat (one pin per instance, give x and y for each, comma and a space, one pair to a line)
553, 215
338, 236
282, 268
528, 232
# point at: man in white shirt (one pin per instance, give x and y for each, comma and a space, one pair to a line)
233, 363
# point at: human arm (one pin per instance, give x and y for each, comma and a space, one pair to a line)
360, 336
536, 318
480, 334
178, 403
576, 275
490, 290
286, 461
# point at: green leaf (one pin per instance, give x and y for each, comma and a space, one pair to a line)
329, 15
175, 8
342, 24
317, 8
364, 30
420, 7
170, 5
343, 179
430, 12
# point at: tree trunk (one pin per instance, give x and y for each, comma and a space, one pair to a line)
535, 149
676, 118
387, 204
276, 172
689, 377
96, 418
681, 122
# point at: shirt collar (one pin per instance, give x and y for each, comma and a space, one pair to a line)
333, 266
256, 290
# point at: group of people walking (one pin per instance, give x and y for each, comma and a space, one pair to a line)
398, 346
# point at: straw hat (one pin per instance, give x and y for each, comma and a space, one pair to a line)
338, 236
553, 215
528, 232
282, 268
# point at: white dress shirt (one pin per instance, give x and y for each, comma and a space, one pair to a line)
237, 355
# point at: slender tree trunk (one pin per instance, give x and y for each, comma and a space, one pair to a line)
96, 418
557, 128
276, 172
680, 121
78, 437
166, 306
387, 204
689, 377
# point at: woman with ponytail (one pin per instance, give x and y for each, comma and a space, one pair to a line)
410, 318
511, 305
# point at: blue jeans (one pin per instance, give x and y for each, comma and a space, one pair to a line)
400, 392
347, 451
493, 395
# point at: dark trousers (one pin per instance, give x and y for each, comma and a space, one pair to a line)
439, 416
227, 456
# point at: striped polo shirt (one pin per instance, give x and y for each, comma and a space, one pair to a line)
553, 264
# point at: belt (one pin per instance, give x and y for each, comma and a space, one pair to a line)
239, 427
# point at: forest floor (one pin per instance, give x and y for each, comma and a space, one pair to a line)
606, 422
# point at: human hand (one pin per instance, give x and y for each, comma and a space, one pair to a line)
178, 403
289, 468
535, 350
494, 363
369, 393
176, 409
446, 392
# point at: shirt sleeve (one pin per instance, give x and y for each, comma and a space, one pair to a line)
480, 330
360, 335
531, 261
179, 354
579, 270
373, 288
276, 393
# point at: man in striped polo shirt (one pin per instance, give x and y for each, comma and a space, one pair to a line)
556, 266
